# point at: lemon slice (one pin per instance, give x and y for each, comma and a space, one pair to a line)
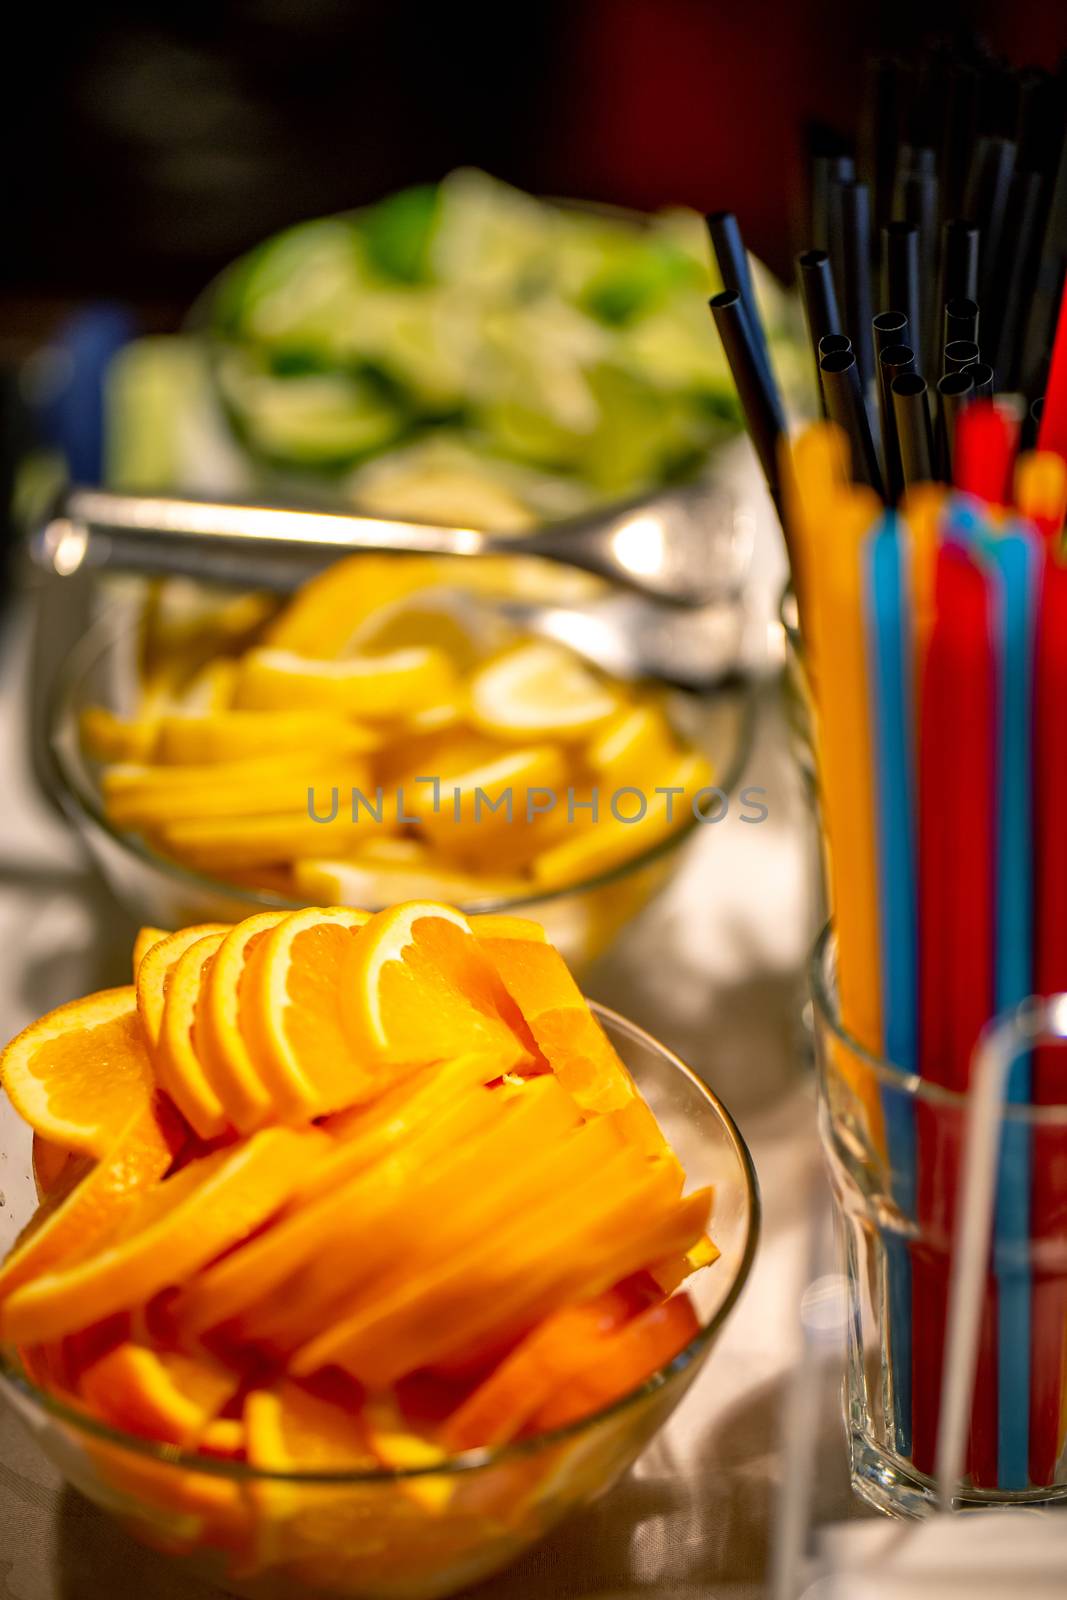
392, 685
539, 691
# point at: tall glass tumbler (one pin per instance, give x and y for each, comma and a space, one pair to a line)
895, 1147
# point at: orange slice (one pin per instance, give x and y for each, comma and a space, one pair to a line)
179, 1226
417, 988
634, 745
221, 1036
160, 1395
499, 925
226, 845
156, 968
154, 797
621, 1361
79, 1074
393, 685
290, 1429
52, 1164
322, 616
146, 938
226, 736
539, 691
179, 1068
141, 1154
567, 1034
293, 1013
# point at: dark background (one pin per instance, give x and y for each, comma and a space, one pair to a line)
147, 144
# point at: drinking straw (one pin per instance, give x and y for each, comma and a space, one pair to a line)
1014, 557
983, 378
960, 126
911, 414
732, 259
826, 169
815, 278
917, 203
1013, 288
844, 405
900, 273
961, 353
984, 453
959, 259
893, 361
955, 390
814, 473
957, 842
834, 344
850, 247
1052, 429
1047, 285
987, 202
1048, 1218
755, 387
880, 130
961, 320
1041, 491
892, 704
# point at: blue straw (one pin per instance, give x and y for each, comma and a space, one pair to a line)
890, 672
1014, 557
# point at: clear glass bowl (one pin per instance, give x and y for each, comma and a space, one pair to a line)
417, 1533
581, 919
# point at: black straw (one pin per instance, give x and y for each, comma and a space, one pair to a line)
900, 272
959, 261
732, 258
816, 282
955, 390
1014, 279
890, 332
844, 405
984, 379
961, 353
987, 203
758, 395
917, 203
911, 414
961, 320
850, 252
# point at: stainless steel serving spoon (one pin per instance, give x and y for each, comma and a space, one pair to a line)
682, 549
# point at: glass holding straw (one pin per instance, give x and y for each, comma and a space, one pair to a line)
893, 1407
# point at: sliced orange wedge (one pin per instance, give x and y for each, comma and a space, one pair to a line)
374, 687
146, 938
290, 1429
567, 1034
178, 1227
294, 1024
417, 988
79, 1074
620, 1361
221, 1037
179, 1068
198, 739
539, 691
52, 1166
155, 970
162, 1395
140, 1155
155, 797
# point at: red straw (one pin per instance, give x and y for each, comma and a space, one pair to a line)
984, 454
957, 852
1052, 433
1048, 1209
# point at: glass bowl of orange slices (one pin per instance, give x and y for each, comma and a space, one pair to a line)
383, 734
346, 1253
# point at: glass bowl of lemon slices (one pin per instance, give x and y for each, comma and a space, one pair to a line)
361, 1287
383, 734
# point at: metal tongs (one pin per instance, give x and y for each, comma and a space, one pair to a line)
677, 549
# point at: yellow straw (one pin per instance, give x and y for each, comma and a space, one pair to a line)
1041, 486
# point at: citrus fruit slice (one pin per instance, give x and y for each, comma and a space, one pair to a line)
108, 737
179, 1225
620, 1361
161, 1395
179, 1068
294, 1026
377, 883
140, 1155
291, 1429
637, 743
539, 691
557, 1349
221, 1039
52, 1165
417, 988
201, 739
146, 938
393, 685
569, 1037
79, 1074
155, 970
150, 797
322, 617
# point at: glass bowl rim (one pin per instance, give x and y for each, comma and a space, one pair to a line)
483, 1457
1050, 1114
79, 799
